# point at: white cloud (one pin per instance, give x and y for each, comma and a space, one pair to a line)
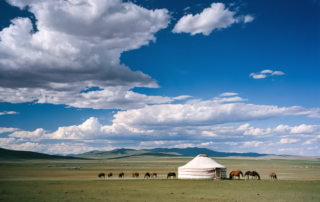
60, 148
214, 17
7, 130
226, 94
181, 97
252, 144
295, 150
256, 131
6, 141
8, 112
258, 76
248, 18
265, 73
208, 133
277, 73
208, 112
288, 140
35, 135
311, 141
305, 129
71, 52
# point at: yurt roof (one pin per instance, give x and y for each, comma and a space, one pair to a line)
202, 161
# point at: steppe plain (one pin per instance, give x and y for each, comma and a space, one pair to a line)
50, 180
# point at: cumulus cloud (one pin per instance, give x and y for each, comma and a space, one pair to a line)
265, 73
72, 52
59, 148
215, 17
208, 112
7, 130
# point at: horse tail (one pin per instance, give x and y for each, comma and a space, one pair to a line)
230, 175
241, 173
275, 176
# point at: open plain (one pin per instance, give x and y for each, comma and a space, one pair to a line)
39, 180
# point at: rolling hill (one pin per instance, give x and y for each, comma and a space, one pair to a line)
120, 153
194, 151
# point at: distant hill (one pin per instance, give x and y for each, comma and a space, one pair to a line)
194, 151
120, 153
13, 155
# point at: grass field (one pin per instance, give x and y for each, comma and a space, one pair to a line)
35, 181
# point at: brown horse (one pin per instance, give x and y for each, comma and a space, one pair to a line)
109, 175
101, 175
253, 174
154, 175
235, 173
273, 176
121, 175
135, 175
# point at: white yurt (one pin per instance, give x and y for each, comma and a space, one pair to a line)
202, 167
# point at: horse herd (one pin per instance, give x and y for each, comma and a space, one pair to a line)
232, 174
136, 175
249, 173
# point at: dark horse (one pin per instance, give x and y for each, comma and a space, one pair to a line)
171, 174
273, 176
235, 173
253, 174
121, 175
109, 175
102, 175
147, 175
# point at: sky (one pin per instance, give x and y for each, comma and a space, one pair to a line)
230, 76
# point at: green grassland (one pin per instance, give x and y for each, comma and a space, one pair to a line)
33, 180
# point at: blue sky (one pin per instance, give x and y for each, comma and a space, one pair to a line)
85, 75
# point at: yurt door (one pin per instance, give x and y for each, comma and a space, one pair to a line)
218, 173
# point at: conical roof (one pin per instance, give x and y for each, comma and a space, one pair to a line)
202, 161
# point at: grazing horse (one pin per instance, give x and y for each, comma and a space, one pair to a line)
253, 174
147, 175
109, 175
235, 173
171, 174
154, 175
135, 175
273, 176
101, 175
121, 175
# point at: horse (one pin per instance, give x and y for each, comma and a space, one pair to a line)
147, 175
101, 175
121, 175
135, 175
253, 174
235, 173
154, 175
109, 175
273, 176
171, 174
